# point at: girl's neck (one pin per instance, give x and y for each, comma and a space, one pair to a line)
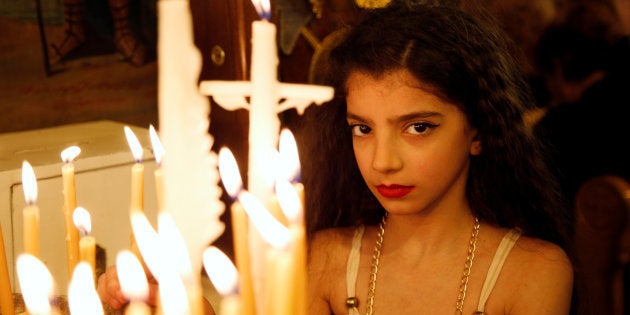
434, 232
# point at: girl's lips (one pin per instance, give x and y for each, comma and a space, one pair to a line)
394, 191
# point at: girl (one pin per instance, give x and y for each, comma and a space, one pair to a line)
436, 200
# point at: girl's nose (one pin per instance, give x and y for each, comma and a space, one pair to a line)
386, 157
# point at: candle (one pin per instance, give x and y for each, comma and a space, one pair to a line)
230, 175
87, 244
191, 192
82, 296
133, 283
137, 181
70, 202
137, 172
6, 293
290, 159
30, 213
178, 259
278, 236
36, 283
224, 277
291, 203
158, 153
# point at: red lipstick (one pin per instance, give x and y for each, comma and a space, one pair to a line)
394, 191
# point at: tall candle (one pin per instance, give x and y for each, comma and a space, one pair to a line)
137, 181
137, 172
292, 206
87, 244
273, 233
230, 175
158, 152
191, 192
6, 293
224, 277
264, 122
70, 202
30, 213
133, 283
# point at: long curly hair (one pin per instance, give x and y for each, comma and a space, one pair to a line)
466, 61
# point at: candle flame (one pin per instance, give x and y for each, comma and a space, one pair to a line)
289, 201
158, 149
82, 296
133, 281
263, 7
220, 270
271, 230
289, 155
70, 153
172, 286
148, 242
230, 175
134, 144
82, 220
29, 182
36, 283
174, 244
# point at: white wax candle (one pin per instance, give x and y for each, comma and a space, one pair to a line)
264, 123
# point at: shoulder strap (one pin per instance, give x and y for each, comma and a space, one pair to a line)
352, 268
501, 254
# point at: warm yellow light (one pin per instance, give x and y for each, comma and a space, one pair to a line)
230, 175
70, 153
36, 283
220, 270
30, 183
82, 296
82, 220
158, 149
133, 281
134, 144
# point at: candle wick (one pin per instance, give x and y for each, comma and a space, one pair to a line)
138, 161
83, 232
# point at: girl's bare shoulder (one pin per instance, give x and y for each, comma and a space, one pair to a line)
331, 244
537, 270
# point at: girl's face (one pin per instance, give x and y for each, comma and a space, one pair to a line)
412, 147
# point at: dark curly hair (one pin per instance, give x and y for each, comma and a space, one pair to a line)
465, 60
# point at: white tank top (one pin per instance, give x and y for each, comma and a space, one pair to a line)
508, 241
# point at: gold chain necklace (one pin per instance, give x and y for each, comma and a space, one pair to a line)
463, 286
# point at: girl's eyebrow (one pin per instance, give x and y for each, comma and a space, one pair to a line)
402, 118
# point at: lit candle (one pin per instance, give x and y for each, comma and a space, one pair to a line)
133, 283
279, 263
290, 159
263, 115
291, 204
137, 171
6, 293
87, 244
230, 175
158, 153
137, 180
224, 277
82, 296
30, 213
178, 259
36, 283
70, 202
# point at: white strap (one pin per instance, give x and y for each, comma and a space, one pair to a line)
501, 254
352, 270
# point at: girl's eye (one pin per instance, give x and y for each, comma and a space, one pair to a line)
420, 128
360, 130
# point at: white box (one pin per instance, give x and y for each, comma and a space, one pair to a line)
103, 174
